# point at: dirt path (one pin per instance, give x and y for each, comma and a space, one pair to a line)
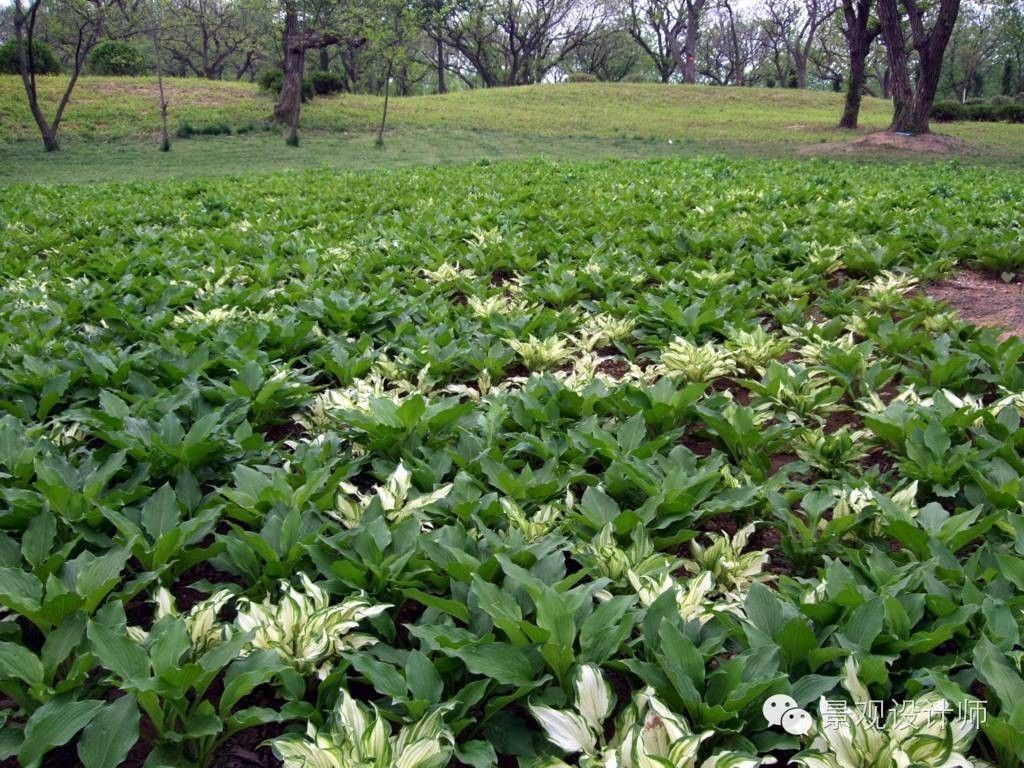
983, 300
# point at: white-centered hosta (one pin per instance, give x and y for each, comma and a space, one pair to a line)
396, 499
304, 628
357, 737
694, 362
888, 288
647, 734
541, 354
604, 557
545, 519
921, 733
599, 330
732, 569
447, 273
202, 621
754, 349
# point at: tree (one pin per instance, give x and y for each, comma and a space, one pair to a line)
668, 31
304, 29
912, 104
791, 29
860, 31
208, 35
82, 21
518, 42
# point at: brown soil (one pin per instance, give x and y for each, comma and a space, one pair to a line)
923, 144
615, 367
983, 300
501, 276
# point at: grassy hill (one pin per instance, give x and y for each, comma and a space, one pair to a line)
581, 120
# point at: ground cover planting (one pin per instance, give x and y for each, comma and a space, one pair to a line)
632, 464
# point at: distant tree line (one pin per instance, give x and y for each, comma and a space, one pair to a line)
912, 51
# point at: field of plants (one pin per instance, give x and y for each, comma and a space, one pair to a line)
518, 465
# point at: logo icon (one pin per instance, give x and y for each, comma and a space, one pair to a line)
783, 710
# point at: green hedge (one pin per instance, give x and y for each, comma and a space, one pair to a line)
954, 111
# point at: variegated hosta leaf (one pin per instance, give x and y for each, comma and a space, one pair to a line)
355, 738
594, 698
396, 498
304, 628
916, 733
696, 362
202, 621
568, 731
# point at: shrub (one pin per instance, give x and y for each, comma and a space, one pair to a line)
113, 57
998, 100
186, 130
326, 83
949, 111
582, 77
271, 80
45, 62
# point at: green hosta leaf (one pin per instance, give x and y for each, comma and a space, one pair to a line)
107, 740
55, 723
499, 661
118, 653
20, 663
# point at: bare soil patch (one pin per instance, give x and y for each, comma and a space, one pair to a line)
983, 300
883, 141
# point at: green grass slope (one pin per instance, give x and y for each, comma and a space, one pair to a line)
561, 121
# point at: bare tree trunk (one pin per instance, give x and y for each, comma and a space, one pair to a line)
689, 62
384, 114
289, 103
854, 90
165, 143
442, 87
859, 36
912, 106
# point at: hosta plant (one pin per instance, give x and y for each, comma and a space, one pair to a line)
732, 568
353, 737
541, 354
304, 628
646, 734
919, 733
397, 500
697, 362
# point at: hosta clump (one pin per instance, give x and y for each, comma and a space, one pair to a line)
604, 557
732, 569
396, 499
203, 622
831, 451
697, 362
754, 349
304, 628
352, 738
646, 734
541, 354
915, 734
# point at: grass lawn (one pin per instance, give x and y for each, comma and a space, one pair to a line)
111, 126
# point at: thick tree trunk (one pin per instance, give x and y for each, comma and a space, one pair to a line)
689, 62
854, 89
912, 105
289, 103
859, 36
